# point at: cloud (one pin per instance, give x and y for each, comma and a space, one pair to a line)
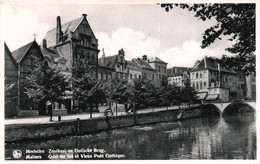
189, 53
134, 43
20, 26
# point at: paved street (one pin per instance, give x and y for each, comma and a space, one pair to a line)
46, 119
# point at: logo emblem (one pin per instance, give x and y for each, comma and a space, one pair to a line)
17, 153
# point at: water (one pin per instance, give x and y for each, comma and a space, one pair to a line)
231, 137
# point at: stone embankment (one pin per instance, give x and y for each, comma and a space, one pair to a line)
25, 132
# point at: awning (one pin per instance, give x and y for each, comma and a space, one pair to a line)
212, 97
201, 96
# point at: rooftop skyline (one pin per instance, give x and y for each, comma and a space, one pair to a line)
140, 29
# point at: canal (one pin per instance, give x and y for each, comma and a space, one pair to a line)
227, 137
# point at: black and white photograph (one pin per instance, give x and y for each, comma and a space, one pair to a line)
111, 80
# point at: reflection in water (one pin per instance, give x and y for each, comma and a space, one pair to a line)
231, 137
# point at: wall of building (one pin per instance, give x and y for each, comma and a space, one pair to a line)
64, 128
161, 70
11, 78
178, 80
200, 79
134, 74
25, 67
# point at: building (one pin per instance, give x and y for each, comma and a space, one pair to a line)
117, 63
134, 71
209, 74
11, 83
153, 68
178, 75
25, 60
159, 66
74, 39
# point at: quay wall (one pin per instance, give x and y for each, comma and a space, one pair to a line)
28, 132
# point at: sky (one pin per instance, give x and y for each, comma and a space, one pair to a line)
140, 29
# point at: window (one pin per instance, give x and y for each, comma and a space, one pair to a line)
200, 84
205, 74
131, 76
197, 75
197, 85
193, 76
205, 84
201, 75
159, 68
135, 75
152, 76
140, 76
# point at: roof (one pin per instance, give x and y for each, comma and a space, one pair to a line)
133, 66
9, 53
110, 61
21, 52
156, 60
140, 63
66, 27
211, 64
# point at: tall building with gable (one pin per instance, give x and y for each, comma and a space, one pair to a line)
74, 39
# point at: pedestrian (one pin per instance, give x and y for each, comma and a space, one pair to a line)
49, 107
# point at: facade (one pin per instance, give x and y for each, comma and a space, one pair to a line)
74, 39
134, 71
160, 68
105, 71
153, 69
178, 75
145, 68
11, 83
115, 63
209, 73
25, 60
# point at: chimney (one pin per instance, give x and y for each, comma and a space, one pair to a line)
144, 57
44, 43
103, 56
84, 15
58, 30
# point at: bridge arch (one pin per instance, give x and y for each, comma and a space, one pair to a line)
210, 110
237, 107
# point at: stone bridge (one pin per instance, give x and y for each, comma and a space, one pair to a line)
231, 106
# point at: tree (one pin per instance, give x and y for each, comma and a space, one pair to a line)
46, 83
86, 89
188, 93
116, 90
234, 20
